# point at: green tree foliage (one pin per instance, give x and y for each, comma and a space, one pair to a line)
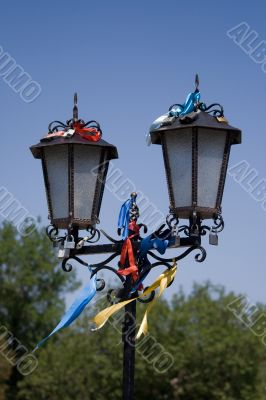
215, 356
32, 289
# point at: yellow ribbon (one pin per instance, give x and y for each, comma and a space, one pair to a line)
162, 281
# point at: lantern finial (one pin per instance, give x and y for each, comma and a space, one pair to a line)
75, 108
196, 81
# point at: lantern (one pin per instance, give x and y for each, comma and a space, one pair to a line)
75, 164
196, 149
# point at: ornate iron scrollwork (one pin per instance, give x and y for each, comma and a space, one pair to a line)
212, 109
168, 233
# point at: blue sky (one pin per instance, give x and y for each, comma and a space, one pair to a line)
129, 61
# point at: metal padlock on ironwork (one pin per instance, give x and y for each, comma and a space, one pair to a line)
69, 133
69, 242
177, 241
213, 238
63, 253
176, 237
55, 243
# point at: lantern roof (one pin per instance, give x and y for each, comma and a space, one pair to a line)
199, 119
192, 114
75, 139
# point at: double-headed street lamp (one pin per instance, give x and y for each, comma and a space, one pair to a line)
196, 142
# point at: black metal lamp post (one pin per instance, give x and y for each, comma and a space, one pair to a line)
196, 142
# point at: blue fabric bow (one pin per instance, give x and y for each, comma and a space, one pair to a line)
187, 107
124, 215
152, 243
75, 310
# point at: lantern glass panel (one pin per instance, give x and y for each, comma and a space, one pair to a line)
211, 146
179, 150
86, 160
56, 163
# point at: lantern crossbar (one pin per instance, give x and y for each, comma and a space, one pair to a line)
117, 247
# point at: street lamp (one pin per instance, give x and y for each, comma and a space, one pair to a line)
75, 162
196, 141
196, 149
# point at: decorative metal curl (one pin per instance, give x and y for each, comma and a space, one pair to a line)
103, 263
217, 228
176, 105
219, 224
215, 112
159, 263
200, 257
171, 220
110, 237
185, 229
55, 126
52, 233
94, 235
59, 124
67, 266
107, 267
70, 123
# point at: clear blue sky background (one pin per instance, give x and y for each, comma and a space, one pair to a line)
129, 61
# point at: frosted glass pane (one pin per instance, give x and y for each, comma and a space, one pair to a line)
179, 148
211, 146
57, 170
86, 160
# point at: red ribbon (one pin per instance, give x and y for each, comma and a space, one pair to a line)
134, 227
127, 250
92, 134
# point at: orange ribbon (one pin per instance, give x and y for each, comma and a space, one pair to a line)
127, 250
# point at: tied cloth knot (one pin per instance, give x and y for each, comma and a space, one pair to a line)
127, 251
129, 213
130, 229
92, 133
164, 280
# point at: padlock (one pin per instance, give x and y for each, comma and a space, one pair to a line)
69, 133
63, 253
69, 242
81, 243
213, 238
222, 119
168, 121
176, 237
177, 241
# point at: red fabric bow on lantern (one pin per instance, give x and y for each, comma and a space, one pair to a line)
93, 133
75, 126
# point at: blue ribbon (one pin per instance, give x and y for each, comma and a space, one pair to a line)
149, 243
75, 309
124, 215
187, 107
